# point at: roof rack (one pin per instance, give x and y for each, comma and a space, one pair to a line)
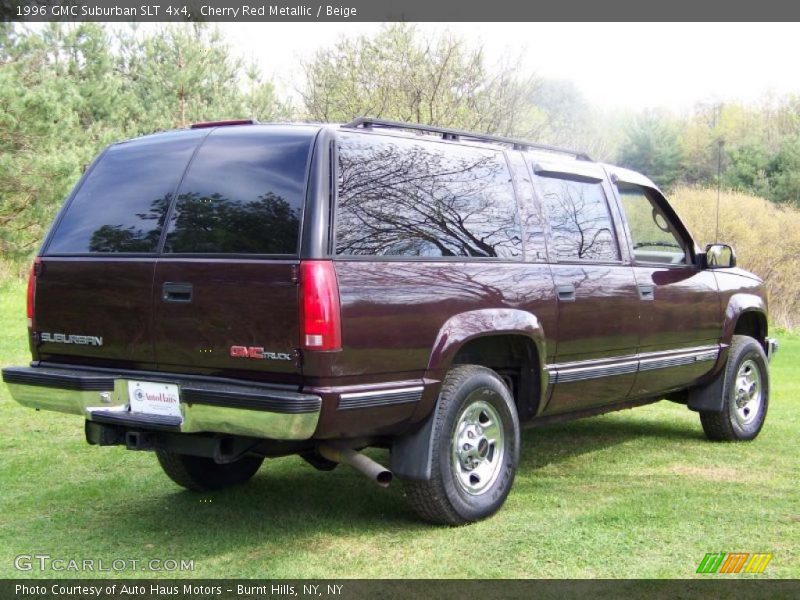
456, 134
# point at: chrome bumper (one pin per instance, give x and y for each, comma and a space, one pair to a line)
234, 408
772, 347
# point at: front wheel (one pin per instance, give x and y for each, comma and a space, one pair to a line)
201, 474
745, 394
475, 449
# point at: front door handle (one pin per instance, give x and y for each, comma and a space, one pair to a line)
646, 291
566, 293
176, 292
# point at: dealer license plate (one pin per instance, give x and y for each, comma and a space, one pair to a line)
152, 398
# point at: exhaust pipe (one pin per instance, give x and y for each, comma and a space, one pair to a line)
341, 454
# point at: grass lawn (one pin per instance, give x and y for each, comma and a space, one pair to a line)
633, 494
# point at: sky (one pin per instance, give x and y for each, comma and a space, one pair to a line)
622, 65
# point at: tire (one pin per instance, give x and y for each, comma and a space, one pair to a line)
201, 474
475, 408
745, 392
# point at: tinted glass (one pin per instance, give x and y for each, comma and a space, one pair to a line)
654, 238
121, 204
580, 224
407, 197
532, 218
243, 193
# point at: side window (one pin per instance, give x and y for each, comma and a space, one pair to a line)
408, 197
121, 204
243, 193
654, 237
580, 222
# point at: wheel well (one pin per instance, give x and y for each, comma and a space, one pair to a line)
516, 359
753, 324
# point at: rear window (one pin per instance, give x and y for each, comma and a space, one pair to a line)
408, 197
243, 193
121, 204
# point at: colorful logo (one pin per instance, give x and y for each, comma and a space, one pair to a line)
734, 562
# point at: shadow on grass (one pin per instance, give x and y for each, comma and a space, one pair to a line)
291, 508
292, 497
551, 444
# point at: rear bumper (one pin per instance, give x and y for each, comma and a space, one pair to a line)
217, 406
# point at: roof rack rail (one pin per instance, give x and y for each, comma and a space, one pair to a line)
204, 124
456, 134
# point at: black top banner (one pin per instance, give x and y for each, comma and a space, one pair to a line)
397, 10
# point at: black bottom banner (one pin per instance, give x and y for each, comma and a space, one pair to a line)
351, 589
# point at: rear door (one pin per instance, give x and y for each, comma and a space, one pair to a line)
597, 296
94, 290
225, 290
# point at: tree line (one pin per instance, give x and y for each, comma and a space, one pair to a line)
68, 90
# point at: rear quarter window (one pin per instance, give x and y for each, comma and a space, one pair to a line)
418, 198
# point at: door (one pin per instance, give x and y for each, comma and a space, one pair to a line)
94, 290
225, 288
680, 323
598, 300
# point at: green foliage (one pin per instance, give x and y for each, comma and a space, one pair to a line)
398, 74
748, 168
653, 148
67, 91
784, 177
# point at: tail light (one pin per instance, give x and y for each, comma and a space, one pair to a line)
320, 313
31, 297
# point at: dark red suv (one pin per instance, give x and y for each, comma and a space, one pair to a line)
237, 291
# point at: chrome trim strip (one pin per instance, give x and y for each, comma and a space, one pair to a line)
623, 365
677, 360
372, 399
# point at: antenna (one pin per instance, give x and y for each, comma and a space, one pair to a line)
720, 144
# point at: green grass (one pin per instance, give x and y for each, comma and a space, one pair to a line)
633, 494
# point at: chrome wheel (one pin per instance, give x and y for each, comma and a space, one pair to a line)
748, 393
478, 446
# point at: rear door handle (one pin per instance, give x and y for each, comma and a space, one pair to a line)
646, 291
176, 292
566, 293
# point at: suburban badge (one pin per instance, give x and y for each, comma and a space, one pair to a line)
68, 338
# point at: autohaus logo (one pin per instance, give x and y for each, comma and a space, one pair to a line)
163, 397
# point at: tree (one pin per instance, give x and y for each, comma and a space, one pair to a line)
69, 90
653, 148
398, 74
784, 173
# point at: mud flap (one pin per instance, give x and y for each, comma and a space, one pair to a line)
412, 454
710, 397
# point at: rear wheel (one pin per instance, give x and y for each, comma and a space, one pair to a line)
745, 391
201, 474
475, 449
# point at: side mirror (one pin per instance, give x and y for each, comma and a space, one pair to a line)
720, 256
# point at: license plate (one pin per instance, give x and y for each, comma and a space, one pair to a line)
151, 398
